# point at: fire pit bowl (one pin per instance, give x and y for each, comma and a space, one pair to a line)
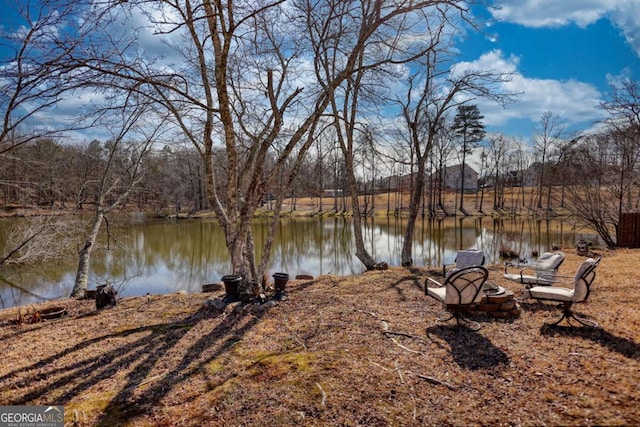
492, 289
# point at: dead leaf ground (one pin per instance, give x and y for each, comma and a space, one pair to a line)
356, 351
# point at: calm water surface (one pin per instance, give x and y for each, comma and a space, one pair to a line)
164, 256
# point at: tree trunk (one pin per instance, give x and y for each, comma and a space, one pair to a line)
462, 180
82, 275
361, 251
407, 245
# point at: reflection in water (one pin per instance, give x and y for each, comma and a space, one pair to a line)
168, 256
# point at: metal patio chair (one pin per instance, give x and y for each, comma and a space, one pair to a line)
459, 293
582, 281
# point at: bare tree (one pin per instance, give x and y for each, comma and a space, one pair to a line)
442, 150
549, 133
229, 87
431, 94
623, 104
123, 169
39, 239
519, 160
497, 159
35, 72
561, 173
605, 166
242, 63
247, 84
370, 38
591, 198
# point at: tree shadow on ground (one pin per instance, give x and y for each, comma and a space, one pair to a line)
85, 365
470, 349
415, 282
624, 346
126, 405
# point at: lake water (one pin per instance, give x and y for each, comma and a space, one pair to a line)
165, 256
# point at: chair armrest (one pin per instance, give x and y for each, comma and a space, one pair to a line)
430, 280
527, 268
530, 268
435, 282
512, 265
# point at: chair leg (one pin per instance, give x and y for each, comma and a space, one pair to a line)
470, 324
525, 295
567, 313
444, 316
460, 320
586, 322
558, 320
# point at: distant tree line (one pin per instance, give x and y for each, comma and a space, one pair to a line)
52, 174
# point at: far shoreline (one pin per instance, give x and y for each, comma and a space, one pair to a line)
383, 205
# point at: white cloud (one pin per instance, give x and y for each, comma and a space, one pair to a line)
554, 13
626, 17
576, 102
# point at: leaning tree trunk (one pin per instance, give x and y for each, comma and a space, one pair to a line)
407, 245
361, 252
82, 275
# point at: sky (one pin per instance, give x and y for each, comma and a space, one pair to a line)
564, 56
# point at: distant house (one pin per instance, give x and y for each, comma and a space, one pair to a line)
525, 178
450, 174
391, 183
530, 176
452, 177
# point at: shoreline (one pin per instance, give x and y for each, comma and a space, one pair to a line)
386, 205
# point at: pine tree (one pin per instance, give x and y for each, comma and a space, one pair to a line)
468, 126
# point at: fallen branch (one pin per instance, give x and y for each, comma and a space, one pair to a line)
386, 332
324, 395
377, 364
368, 312
399, 371
434, 380
405, 347
400, 334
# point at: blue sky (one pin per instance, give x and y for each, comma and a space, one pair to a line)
564, 55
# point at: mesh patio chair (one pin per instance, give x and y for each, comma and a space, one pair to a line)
582, 281
460, 291
542, 273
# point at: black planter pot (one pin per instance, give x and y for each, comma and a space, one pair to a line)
280, 282
231, 282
